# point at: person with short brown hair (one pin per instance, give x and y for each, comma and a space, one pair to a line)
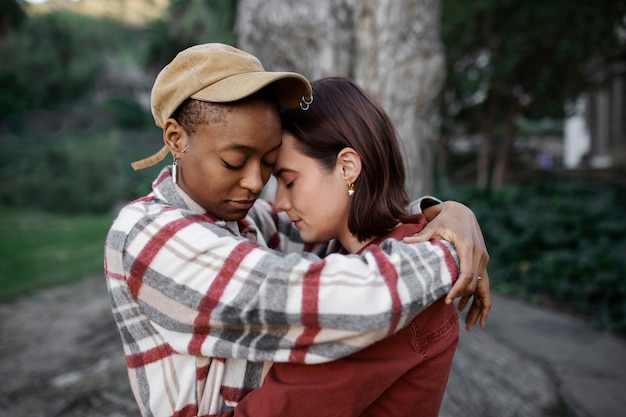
209, 285
340, 176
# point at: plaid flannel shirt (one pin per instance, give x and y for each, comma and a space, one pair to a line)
203, 312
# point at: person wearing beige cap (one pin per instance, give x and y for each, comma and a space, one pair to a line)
209, 285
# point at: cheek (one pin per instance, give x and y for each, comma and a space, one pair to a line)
210, 180
326, 207
309, 197
266, 173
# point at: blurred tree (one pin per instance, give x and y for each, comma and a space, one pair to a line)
392, 48
508, 58
12, 17
55, 59
52, 94
186, 23
73, 173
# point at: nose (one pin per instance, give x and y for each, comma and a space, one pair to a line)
253, 179
281, 203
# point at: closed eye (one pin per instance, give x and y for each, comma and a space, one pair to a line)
231, 167
286, 176
268, 164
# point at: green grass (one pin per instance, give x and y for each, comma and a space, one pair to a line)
39, 250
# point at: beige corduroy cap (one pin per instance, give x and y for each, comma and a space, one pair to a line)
217, 73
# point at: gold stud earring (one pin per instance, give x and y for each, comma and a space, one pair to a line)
350, 189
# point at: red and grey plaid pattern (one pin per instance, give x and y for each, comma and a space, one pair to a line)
203, 312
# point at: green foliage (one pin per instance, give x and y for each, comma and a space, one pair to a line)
50, 49
532, 53
189, 22
43, 250
127, 113
72, 175
557, 240
51, 160
66, 112
56, 58
12, 16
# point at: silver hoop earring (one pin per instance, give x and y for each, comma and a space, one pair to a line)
304, 103
175, 171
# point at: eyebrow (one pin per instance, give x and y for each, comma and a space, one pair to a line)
238, 147
245, 148
280, 171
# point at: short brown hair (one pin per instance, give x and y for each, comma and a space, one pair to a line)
341, 116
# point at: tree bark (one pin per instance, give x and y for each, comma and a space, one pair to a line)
391, 48
504, 153
484, 149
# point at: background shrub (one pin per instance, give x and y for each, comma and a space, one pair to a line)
557, 242
57, 58
71, 176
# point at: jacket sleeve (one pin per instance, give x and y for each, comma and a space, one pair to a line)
422, 203
279, 232
207, 292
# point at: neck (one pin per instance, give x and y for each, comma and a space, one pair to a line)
352, 244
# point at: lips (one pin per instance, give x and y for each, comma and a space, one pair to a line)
242, 204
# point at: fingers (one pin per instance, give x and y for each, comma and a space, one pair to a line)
434, 229
463, 302
482, 260
469, 267
456, 223
463, 286
472, 315
473, 255
484, 293
426, 234
484, 313
481, 304
476, 313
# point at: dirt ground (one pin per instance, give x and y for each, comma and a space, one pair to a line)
61, 356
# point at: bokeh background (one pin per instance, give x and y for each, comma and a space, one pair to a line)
514, 108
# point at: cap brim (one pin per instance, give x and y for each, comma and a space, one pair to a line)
289, 88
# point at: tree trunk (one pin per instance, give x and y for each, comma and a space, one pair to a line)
442, 172
401, 62
484, 149
391, 48
482, 178
504, 154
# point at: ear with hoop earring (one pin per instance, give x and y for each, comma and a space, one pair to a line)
175, 166
175, 170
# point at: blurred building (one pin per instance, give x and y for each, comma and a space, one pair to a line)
595, 134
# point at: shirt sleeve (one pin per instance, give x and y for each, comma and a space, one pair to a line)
279, 232
422, 203
207, 292
351, 385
